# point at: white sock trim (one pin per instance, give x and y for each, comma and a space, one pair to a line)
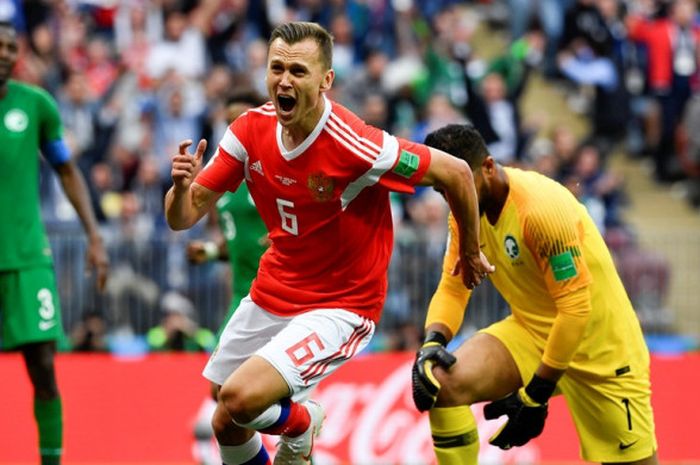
235, 455
266, 419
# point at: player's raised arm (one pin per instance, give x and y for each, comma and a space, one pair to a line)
187, 202
453, 178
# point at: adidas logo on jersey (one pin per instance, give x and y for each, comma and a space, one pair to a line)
257, 167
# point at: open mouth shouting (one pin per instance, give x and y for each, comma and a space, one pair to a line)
286, 104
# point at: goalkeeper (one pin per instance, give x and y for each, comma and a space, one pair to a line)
572, 330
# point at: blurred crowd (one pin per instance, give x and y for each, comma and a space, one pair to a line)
135, 77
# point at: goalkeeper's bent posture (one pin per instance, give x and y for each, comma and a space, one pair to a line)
572, 330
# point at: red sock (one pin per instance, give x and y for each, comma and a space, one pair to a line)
294, 420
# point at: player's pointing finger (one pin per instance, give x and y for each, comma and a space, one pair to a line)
183, 146
201, 147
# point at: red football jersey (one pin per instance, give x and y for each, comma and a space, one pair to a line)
325, 203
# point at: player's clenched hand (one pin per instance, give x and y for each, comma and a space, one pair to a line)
474, 269
185, 167
196, 252
526, 415
425, 385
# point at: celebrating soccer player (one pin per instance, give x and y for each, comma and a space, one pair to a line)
29, 307
320, 178
572, 330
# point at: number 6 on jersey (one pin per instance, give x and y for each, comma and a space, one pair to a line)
289, 220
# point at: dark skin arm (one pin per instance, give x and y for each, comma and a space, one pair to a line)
454, 179
543, 371
76, 190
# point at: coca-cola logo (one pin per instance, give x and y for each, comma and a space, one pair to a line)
373, 421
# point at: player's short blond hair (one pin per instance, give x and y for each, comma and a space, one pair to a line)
297, 31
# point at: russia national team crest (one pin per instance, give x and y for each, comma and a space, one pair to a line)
512, 247
321, 187
16, 120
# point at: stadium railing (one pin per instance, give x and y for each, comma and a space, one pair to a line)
142, 271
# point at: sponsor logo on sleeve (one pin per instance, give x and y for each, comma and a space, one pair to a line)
407, 164
563, 266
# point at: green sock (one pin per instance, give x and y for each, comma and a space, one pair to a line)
49, 419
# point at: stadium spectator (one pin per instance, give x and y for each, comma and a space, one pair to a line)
137, 22
689, 148
31, 123
178, 331
38, 64
672, 39
175, 111
559, 280
564, 148
594, 205
138, 275
588, 58
550, 14
322, 157
599, 183
367, 81
503, 117
180, 39
79, 110
90, 334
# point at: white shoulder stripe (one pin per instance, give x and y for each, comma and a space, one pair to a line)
345, 126
353, 140
386, 160
349, 146
230, 144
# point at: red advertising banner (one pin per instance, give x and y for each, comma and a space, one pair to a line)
139, 411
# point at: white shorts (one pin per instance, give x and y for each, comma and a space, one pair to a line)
303, 348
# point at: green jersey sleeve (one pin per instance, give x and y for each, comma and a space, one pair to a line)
50, 126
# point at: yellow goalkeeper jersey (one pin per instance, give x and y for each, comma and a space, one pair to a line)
545, 246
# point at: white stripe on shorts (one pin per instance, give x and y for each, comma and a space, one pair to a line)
345, 352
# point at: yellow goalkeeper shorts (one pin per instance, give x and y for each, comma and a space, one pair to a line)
613, 415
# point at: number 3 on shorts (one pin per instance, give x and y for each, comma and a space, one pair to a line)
289, 220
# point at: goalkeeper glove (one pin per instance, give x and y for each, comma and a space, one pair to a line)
526, 409
425, 385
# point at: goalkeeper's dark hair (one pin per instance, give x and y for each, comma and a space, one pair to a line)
462, 141
298, 31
